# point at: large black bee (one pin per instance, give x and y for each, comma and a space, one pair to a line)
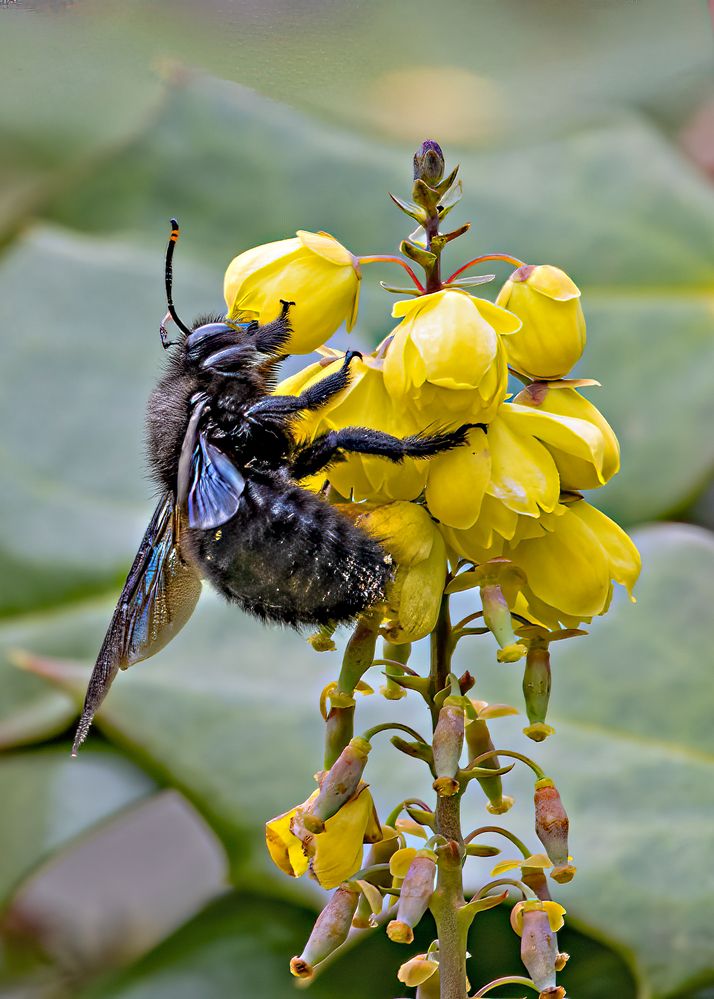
223, 452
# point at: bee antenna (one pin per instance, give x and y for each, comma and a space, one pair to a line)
168, 276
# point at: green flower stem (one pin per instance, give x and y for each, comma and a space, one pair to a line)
396, 664
395, 813
540, 774
358, 657
511, 882
442, 649
367, 872
446, 902
501, 832
386, 726
510, 980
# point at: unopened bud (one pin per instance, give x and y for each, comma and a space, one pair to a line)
429, 162
497, 618
329, 932
447, 745
416, 891
537, 924
536, 690
478, 740
338, 784
551, 826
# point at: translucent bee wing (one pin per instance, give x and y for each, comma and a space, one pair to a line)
209, 484
216, 487
158, 598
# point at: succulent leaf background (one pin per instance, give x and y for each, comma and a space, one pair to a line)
578, 129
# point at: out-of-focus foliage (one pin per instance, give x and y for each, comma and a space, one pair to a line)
249, 120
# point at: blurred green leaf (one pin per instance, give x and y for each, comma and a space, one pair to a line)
229, 713
76, 368
78, 90
52, 799
241, 946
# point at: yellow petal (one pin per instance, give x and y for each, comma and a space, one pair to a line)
624, 559
523, 474
401, 860
338, 850
326, 246
555, 915
417, 971
506, 865
457, 481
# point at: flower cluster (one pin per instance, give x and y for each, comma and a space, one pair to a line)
503, 516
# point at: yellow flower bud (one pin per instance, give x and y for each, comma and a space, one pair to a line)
312, 270
417, 970
409, 534
446, 358
552, 337
584, 466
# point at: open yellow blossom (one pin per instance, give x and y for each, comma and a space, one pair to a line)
333, 855
552, 337
571, 568
446, 358
577, 470
312, 270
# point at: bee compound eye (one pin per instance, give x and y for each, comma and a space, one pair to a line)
207, 338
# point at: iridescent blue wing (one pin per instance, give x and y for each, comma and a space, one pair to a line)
158, 598
209, 484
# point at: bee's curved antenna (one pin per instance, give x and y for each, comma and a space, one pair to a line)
168, 277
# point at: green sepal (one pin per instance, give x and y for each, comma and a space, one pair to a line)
400, 291
464, 581
421, 816
450, 199
475, 850
468, 911
426, 197
470, 282
443, 186
417, 253
417, 750
467, 775
409, 208
418, 683
440, 241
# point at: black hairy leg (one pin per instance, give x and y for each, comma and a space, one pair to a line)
333, 445
312, 398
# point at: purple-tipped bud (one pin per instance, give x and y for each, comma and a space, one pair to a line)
478, 740
539, 948
416, 891
551, 826
338, 784
447, 746
329, 932
429, 163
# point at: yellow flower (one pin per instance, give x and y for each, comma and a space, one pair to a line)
577, 470
418, 969
313, 270
571, 568
553, 910
409, 534
333, 855
446, 358
552, 337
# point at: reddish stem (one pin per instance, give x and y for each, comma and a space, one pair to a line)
394, 260
481, 260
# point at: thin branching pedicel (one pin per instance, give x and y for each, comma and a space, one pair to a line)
500, 521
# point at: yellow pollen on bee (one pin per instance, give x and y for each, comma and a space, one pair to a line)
218, 535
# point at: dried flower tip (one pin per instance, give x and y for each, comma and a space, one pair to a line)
301, 969
538, 731
563, 873
501, 805
399, 932
561, 960
557, 992
446, 787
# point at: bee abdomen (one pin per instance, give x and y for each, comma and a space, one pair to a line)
289, 557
